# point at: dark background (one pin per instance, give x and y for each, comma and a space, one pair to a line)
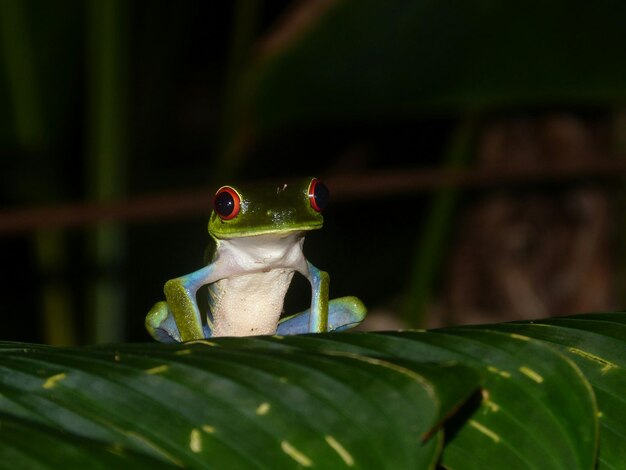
476, 151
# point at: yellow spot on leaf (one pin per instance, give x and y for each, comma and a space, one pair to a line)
183, 352
484, 430
279, 337
606, 365
531, 374
295, 454
263, 408
208, 429
195, 441
157, 369
52, 381
522, 337
501, 373
492, 406
600, 414
341, 450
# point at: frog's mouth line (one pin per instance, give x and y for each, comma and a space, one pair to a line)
270, 230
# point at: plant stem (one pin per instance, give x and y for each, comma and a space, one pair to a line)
431, 243
106, 118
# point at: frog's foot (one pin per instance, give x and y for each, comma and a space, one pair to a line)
161, 325
343, 313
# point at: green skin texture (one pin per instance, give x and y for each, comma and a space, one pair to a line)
264, 210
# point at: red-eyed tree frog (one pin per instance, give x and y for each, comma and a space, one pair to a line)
258, 233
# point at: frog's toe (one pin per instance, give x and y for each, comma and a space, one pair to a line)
161, 325
345, 313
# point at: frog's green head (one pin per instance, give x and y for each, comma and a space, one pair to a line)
244, 211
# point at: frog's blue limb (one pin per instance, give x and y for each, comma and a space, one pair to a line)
343, 313
180, 294
318, 317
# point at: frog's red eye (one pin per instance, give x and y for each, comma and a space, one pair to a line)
226, 203
318, 195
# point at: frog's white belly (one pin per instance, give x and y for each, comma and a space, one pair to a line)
248, 300
249, 304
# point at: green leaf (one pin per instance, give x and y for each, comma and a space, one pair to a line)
362, 400
212, 406
596, 343
26, 444
536, 411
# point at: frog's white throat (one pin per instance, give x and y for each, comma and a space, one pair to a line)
262, 252
258, 271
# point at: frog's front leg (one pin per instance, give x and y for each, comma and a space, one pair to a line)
178, 319
318, 319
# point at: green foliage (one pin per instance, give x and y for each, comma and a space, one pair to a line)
367, 60
516, 395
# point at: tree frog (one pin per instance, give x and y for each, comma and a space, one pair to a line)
258, 233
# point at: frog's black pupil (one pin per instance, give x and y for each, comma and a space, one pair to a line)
321, 195
224, 204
